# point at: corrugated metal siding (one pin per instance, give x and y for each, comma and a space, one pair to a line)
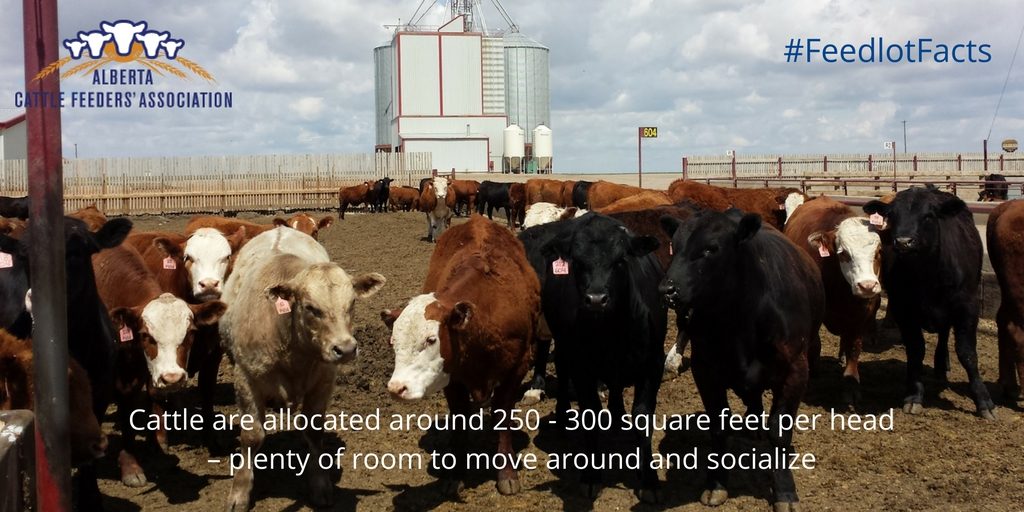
527, 89
494, 76
383, 69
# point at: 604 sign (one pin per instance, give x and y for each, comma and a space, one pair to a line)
649, 132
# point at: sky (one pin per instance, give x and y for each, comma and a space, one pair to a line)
711, 75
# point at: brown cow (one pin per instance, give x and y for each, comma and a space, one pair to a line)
156, 332
707, 197
228, 226
354, 196
542, 190
17, 391
91, 215
517, 203
164, 256
307, 224
465, 194
847, 251
1006, 251
566, 196
13, 228
405, 198
462, 337
642, 201
604, 193
437, 201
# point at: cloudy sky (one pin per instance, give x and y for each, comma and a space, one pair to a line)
710, 74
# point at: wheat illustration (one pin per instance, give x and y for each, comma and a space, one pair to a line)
50, 69
80, 67
196, 68
150, 65
169, 68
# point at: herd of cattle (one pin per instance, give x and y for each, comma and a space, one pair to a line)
752, 274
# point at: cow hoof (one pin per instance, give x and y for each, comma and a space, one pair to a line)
509, 487
714, 497
789, 506
913, 408
131, 472
988, 414
591, 491
649, 496
532, 396
238, 502
452, 487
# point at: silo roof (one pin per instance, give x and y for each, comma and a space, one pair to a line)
518, 40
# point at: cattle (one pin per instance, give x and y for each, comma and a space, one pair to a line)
164, 256
171, 47
847, 251
353, 196
208, 257
1006, 251
227, 226
465, 195
579, 194
124, 33
543, 190
755, 304
517, 201
565, 200
931, 269
437, 202
405, 198
96, 40
378, 197
995, 188
155, 332
493, 195
460, 336
604, 193
600, 299
14, 207
287, 328
642, 201
151, 40
307, 224
12, 227
17, 391
91, 215
707, 197
762, 201
543, 213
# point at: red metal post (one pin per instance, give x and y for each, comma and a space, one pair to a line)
984, 153
639, 158
49, 304
686, 171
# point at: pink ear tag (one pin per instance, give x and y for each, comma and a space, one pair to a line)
126, 334
670, 248
876, 219
169, 263
782, 207
560, 267
282, 306
6, 260
823, 251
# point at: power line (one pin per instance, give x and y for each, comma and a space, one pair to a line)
1000, 102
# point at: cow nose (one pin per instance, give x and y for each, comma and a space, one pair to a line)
171, 378
905, 243
867, 287
344, 352
209, 284
668, 289
597, 300
397, 389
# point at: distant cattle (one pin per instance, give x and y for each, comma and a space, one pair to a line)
517, 201
847, 250
600, 300
604, 193
465, 195
227, 225
543, 190
755, 304
91, 215
579, 194
543, 213
405, 199
931, 269
566, 196
379, 195
437, 201
307, 224
462, 337
17, 391
995, 188
493, 195
1006, 250
14, 207
353, 196
705, 196
643, 200
288, 327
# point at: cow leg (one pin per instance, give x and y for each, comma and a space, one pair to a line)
250, 441
616, 405
430, 229
1011, 354
132, 474
589, 400
850, 346
562, 401
321, 488
913, 343
540, 367
966, 333
716, 404
645, 399
207, 389
457, 397
158, 437
508, 475
341, 210
941, 365
786, 401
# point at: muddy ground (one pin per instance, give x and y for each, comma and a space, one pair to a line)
944, 459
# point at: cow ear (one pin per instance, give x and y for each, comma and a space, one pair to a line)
643, 245
325, 222
237, 239
126, 317
826, 239
278, 221
670, 224
208, 313
878, 207
113, 233
368, 284
460, 316
167, 247
750, 224
952, 206
558, 247
388, 316
282, 291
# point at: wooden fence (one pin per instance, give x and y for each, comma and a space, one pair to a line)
951, 165
170, 185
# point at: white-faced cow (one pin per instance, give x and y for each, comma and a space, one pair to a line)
288, 327
931, 268
437, 203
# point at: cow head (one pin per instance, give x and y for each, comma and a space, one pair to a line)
597, 250
441, 188
165, 330
912, 218
320, 300
80, 244
858, 247
706, 248
207, 256
422, 338
308, 225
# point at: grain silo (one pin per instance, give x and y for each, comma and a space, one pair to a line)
383, 71
527, 96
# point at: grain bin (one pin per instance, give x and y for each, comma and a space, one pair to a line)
542, 148
527, 91
382, 77
515, 148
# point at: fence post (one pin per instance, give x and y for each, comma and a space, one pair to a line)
685, 170
734, 168
959, 163
824, 162
1001, 162
915, 163
869, 163
780, 166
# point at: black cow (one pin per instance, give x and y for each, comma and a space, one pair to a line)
579, 194
755, 304
90, 333
494, 195
379, 195
16, 207
931, 269
994, 191
599, 297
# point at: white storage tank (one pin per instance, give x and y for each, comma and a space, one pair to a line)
515, 148
542, 148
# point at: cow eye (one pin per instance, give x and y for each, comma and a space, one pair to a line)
431, 340
186, 258
313, 310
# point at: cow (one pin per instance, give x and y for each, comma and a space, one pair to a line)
565, 200
437, 202
579, 194
405, 199
124, 32
465, 195
517, 202
847, 250
208, 256
543, 190
353, 196
543, 213
995, 188
74, 47
460, 337
96, 41
151, 41
604, 193
760, 201
226, 226
155, 332
931, 269
600, 300
286, 330
708, 197
17, 391
1006, 251
493, 195
91, 215
14, 207
12, 227
725, 263
642, 201
307, 224
379, 195
164, 256
91, 335
171, 47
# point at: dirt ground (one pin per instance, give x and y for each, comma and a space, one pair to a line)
944, 459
